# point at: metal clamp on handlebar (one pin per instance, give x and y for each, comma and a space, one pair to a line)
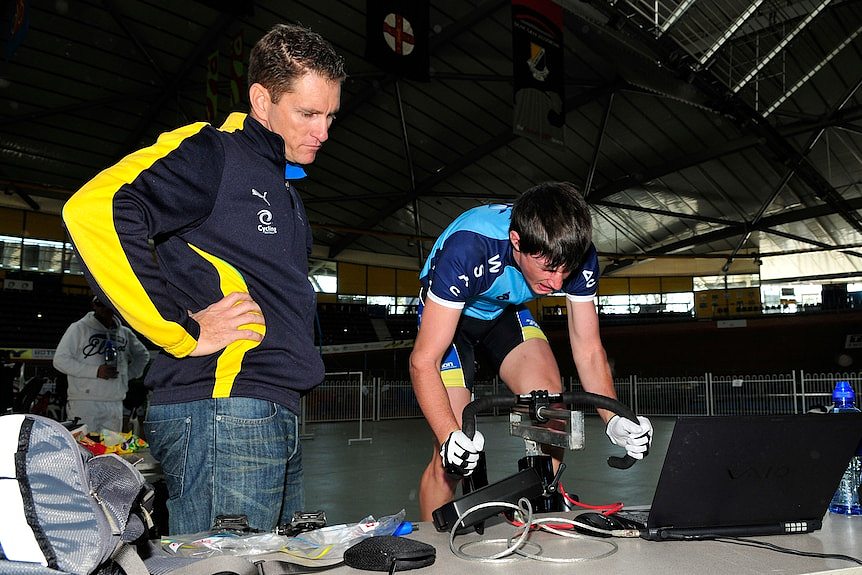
534, 420
537, 401
521, 404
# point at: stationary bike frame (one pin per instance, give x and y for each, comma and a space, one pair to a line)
535, 479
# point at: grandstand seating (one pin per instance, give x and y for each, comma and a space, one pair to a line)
38, 320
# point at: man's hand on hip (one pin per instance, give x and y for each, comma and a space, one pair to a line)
226, 321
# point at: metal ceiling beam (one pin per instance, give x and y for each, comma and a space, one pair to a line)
374, 233
811, 72
202, 47
752, 121
810, 250
823, 246
465, 23
37, 190
809, 145
145, 95
840, 118
405, 139
731, 30
675, 15
111, 7
678, 215
463, 161
801, 214
501, 139
850, 128
635, 235
749, 120
615, 255
637, 179
812, 279
436, 42
27, 199
780, 46
588, 182
766, 224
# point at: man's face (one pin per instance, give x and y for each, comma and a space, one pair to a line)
540, 277
303, 116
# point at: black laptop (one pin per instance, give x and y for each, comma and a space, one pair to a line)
750, 475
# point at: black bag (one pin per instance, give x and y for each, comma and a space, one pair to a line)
389, 553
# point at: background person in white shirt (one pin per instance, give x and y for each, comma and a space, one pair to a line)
98, 381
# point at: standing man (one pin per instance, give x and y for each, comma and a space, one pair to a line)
481, 270
99, 355
227, 295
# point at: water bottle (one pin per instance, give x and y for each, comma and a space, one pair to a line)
110, 352
846, 500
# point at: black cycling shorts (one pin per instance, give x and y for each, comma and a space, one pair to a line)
496, 337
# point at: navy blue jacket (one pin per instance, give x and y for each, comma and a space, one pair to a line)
214, 206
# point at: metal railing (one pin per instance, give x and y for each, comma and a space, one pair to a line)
338, 398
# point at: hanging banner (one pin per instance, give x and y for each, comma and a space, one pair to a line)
538, 70
237, 70
212, 87
396, 37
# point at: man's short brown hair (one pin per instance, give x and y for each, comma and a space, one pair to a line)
288, 52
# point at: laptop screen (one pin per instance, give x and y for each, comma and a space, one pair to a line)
727, 471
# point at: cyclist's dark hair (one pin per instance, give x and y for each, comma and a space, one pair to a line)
553, 222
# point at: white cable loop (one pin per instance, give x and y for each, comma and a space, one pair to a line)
518, 544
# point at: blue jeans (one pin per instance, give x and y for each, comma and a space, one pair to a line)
232, 455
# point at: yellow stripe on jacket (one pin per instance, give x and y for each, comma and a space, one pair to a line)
230, 360
89, 218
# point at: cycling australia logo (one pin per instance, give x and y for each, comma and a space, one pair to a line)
265, 226
264, 216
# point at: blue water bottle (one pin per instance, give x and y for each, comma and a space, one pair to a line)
846, 500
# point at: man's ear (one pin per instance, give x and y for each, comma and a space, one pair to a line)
515, 239
259, 102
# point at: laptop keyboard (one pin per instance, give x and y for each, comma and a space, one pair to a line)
638, 516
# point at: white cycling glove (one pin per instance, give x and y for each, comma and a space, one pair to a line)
460, 454
635, 437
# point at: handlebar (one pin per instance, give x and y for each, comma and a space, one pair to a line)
468, 425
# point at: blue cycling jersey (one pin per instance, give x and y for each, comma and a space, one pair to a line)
471, 266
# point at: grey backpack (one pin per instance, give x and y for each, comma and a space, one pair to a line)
65, 511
